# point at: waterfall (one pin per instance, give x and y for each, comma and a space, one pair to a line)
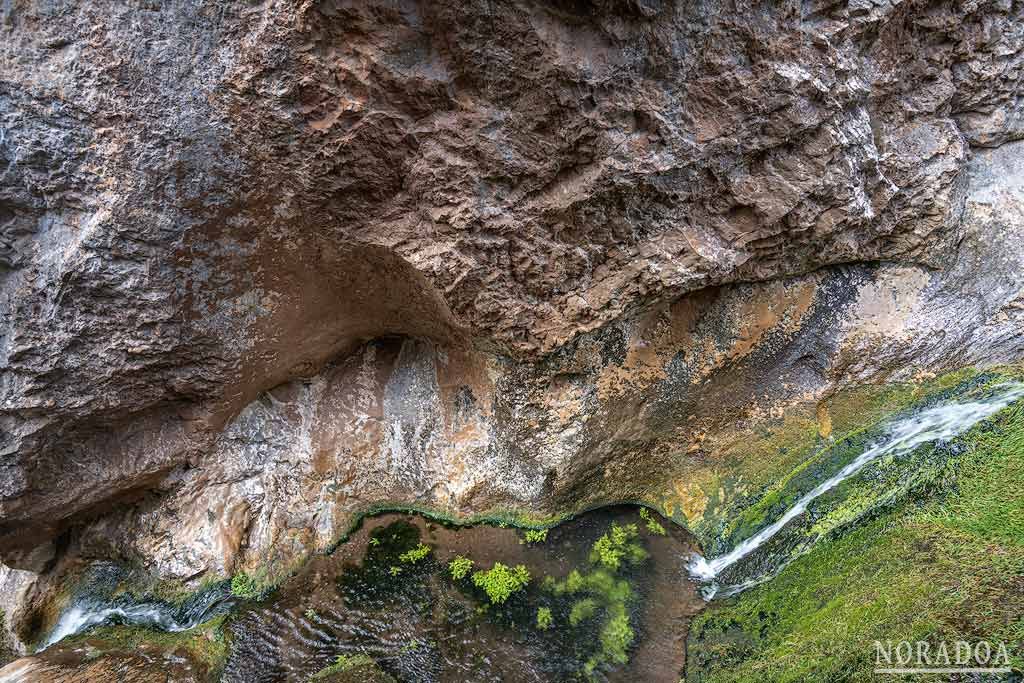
932, 424
91, 610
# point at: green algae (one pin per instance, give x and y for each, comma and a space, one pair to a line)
343, 663
206, 644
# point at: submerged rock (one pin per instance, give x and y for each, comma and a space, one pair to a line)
272, 266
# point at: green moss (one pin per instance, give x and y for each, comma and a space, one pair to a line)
942, 564
725, 496
343, 663
205, 644
245, 586
259, 583
882, 484
544, 618
501, 581
459, 567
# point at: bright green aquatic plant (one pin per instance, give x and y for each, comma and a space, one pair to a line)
616, 635
653, 525
459, 567
582, 609
616, 545
415, 554
536, 535
544, 618
343, 663
501, 581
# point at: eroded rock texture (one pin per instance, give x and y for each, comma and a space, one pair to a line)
266, 265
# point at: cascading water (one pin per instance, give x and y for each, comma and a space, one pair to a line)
932, 424
90, 610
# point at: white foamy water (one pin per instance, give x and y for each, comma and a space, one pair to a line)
932, 424
78, 618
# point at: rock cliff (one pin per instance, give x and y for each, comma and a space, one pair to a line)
266, 266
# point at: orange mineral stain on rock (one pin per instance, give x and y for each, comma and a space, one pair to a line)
654, 341
783, 308
690, 498
824, 421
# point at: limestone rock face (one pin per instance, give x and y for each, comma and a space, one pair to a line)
263, 267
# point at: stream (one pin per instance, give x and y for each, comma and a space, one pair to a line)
938, 423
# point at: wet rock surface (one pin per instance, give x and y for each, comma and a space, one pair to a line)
265, 267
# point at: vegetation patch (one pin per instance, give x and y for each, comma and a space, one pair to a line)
582, 609
535, 535
616, 637
459, 567
344, 663
501, 581
942, 563
603, 590
653, 525
882, 484
754, 462
414, 555
544, 618
245, 586
205, 645
258, 584
618, 545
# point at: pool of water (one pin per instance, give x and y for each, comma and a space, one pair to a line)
418, 623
